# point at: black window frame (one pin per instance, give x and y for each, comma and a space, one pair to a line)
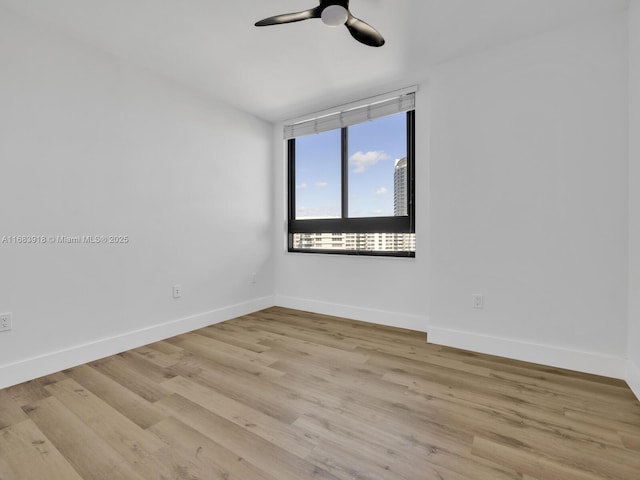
345, 224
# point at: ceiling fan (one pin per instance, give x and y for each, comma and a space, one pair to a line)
333, 13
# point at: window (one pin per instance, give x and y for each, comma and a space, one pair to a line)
351, 180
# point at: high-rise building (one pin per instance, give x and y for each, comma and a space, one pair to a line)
400, 208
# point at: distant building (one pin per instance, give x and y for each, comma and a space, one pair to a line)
400, 208
370, 242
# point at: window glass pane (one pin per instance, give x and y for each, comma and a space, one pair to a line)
319, 176
376, 187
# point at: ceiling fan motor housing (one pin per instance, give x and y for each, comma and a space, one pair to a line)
334, 12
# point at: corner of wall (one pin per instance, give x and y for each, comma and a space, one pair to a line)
633, 364
633, 378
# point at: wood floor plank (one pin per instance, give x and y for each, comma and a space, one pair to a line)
212, 346
443, 384
155, 356
128, 403
262, 425
346, 374
440, 439
30, 392
217, 333
6, 472
144, 366
283, 394
553, 431
129, 376
555, 378
484, 414
530, 463
392, 409
347, 464
200, 457
339, 334
283, 327
394, 453
89, 455
329, 324
630, 441
314, 350
30, 455
265, 395
10, 410
133, 443
208, 350
165, 347
605, 417
502, 363
404, 362
311, 391
266, 456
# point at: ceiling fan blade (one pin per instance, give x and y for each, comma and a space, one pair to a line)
290, 17
363, 32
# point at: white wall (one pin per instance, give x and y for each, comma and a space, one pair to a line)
633, 375
91, 146
528, 191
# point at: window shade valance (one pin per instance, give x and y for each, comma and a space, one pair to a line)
352, 114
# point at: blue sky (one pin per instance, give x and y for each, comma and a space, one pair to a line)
373, 149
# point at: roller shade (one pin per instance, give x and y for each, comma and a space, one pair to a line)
381, 106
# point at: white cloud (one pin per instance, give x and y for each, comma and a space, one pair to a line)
302, 186
317, 212
322, 184
382, 191
362, 161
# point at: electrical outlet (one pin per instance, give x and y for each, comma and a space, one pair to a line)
6, 321
177, 291
478, 301
254, 279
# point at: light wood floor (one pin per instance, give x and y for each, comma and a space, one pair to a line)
287, 395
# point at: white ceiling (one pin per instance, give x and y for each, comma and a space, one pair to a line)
283, 71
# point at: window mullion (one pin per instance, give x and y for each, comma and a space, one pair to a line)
345, 172
411, 165
291, 144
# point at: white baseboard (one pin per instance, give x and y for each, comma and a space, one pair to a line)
581, 361
380, 317
633, 378
31, 368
